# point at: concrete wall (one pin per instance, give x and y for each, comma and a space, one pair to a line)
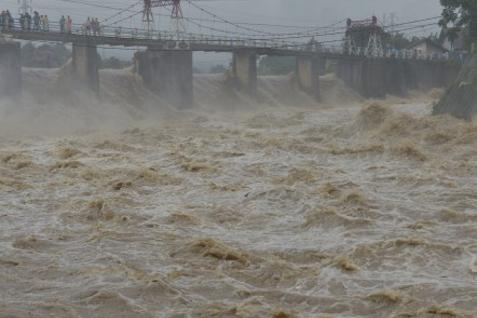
85, 66
168, 73
10, 69
245, 71
375, 78
308, 75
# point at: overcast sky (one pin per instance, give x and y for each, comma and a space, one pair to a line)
300, 12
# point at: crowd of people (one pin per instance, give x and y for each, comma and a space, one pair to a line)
91, 26
41, 23
6, 20
66, 24
36, 22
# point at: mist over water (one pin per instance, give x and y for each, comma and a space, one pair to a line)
122, 206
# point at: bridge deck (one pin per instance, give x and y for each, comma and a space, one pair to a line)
154, 44
196, 45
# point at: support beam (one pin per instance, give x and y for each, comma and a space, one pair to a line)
245, 71
308, 75
10, 69
85, 66
168, 73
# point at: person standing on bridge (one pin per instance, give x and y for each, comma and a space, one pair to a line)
10, 21
36, 21
69, 25
28, 21
93, 26
62, 24
97, 26
4, 20
88, 26
22, 21
46, 23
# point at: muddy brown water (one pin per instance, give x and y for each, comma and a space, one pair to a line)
346, 212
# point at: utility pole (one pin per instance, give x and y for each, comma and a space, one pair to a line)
25, 6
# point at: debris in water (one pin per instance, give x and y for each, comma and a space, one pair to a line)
346, 264
220, 251
386, 296
64, 165
65, 153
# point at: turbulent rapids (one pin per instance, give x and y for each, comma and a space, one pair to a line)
118, 207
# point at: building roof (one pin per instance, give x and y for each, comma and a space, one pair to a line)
429, 42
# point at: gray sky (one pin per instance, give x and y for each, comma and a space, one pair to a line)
295, 12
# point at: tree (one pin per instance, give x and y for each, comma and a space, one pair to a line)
398, 41
461, 13
460, 99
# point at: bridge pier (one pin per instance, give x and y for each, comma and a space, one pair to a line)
10, 69
169, 73
85, 66
245, 71
308, 75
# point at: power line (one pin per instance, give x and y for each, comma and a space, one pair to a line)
91, 4
225, 20
122, 11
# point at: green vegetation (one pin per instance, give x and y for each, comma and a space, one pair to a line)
461, 14
460, 100
400, 41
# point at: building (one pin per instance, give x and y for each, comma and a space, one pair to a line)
427, 47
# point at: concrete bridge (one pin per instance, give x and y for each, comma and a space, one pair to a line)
167, 68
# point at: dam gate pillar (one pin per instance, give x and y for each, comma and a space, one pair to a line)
85, 66
10, 69
308, 75
168, 73
245, 71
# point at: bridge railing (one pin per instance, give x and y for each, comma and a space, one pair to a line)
113, 32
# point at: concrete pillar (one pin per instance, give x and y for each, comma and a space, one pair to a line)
85, 66
168, 73
351, 72
308, 75
366, 76
373, 78
245, 70
395, 77
10, 69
